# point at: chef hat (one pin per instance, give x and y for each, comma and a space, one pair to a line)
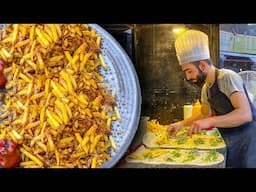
192, 46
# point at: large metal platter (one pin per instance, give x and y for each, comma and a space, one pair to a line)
121, 78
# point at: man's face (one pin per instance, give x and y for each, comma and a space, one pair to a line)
194, 74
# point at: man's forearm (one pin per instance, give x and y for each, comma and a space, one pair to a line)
188, 121
233, 119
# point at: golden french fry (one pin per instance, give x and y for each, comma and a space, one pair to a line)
15, 32
118, 116
93, 165
22, 43
32, 157
50, 142
57, 156
41, 38
32, 33
31, 125
95, 141
85, 59
4, 115
67, 78
62, 108
51, 120
103, 62
112, 143
54, 32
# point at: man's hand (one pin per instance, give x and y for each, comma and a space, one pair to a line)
174, 128
199, 125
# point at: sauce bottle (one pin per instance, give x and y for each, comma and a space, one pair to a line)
187, 111
196, 108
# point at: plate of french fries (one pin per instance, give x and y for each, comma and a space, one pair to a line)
72, 95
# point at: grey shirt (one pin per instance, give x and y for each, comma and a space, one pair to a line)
228, 83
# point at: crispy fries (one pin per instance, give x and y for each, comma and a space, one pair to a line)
56, 107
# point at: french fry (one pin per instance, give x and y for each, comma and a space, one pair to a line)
35, 139
41, 38
32, 125
51, 120
25, 115
46, 36
102, 62
62, 108
27, 163
32, 157
68, 111
54, 32
73, 62
80, 49
59, 90
56, 58
16, 135
112, 143
42, 132
58, 29
32, 52
22, 43
94, 143
93, 165
78, 155
57, 156
50, 142
4, 115
85, 59
118, 116
7, 39
30, 87
68, 56
5, 53
109, 122
37, 95
15, 32
24, 77
32, 33
66, 140
98, 41
67, 78
16, 72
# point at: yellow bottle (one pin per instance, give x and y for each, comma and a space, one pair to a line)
196, 108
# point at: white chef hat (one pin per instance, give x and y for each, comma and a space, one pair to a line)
192, 46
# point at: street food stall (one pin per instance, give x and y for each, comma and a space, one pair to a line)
101, 96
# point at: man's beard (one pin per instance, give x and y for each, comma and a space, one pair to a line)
200, 79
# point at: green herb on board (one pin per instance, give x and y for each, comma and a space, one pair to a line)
198, 141
180, 141
211, 156
176, 153
169, 159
